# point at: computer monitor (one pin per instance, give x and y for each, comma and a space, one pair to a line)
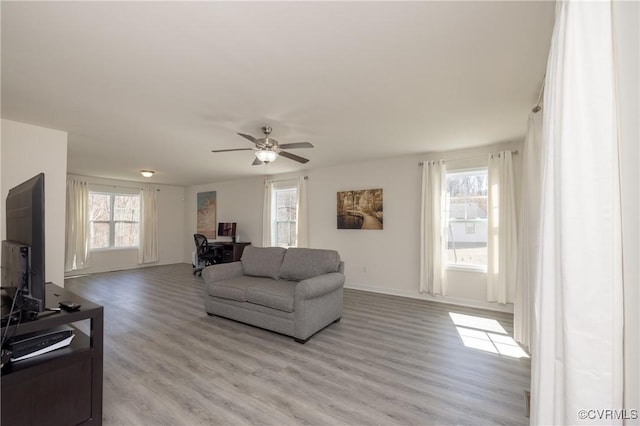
227, 229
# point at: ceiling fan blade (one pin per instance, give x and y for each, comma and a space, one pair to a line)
251, 138
256, 162
233, 149
293, 157
296, 145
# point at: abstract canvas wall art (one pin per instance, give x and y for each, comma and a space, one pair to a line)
207, 214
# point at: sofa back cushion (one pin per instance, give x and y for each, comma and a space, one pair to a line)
302, 263
262, 261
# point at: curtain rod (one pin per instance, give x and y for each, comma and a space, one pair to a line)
130, 187
120, 186
538, 106
421, 163
107, 184
284, 180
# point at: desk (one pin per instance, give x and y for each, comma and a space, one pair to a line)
66, 384
230, 252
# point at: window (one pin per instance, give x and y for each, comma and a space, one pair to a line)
467, 218
285, 217
114, 220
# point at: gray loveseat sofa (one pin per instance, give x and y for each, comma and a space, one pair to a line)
295, 291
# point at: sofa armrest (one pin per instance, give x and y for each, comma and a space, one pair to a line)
222, 271
318, 286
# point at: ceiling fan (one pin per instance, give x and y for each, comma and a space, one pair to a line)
268, 149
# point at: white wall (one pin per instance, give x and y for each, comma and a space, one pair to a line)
385, 260
388, 261
626, 19
26, 151
170, 227
237, 201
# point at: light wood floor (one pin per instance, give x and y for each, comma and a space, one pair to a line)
391, 360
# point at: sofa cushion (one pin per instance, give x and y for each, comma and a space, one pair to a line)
302, 263
234, 288
273, 294
262, 261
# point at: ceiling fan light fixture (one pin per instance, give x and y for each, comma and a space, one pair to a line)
147, 173
266, 156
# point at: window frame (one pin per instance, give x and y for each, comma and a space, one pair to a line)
466, 171
112, 222
282, 186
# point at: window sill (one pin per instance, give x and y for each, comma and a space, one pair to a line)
112, 249
467, 268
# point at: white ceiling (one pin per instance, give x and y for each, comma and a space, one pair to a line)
158, 85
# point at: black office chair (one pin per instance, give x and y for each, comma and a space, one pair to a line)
204, 253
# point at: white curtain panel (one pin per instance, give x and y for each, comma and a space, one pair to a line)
577, 338
302, 223
266, 214
148, 250
433, 221
528, 226
76, 254
502, 247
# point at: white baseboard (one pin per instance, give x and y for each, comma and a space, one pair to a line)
440, 299
90, 271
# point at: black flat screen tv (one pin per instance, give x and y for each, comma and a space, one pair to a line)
23, 261
227, 229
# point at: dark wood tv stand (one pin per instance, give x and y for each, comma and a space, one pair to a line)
62, 387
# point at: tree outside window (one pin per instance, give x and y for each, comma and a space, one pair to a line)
285, 216
114, 220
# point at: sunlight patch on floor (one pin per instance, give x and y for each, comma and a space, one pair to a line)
480, 323
487, 335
